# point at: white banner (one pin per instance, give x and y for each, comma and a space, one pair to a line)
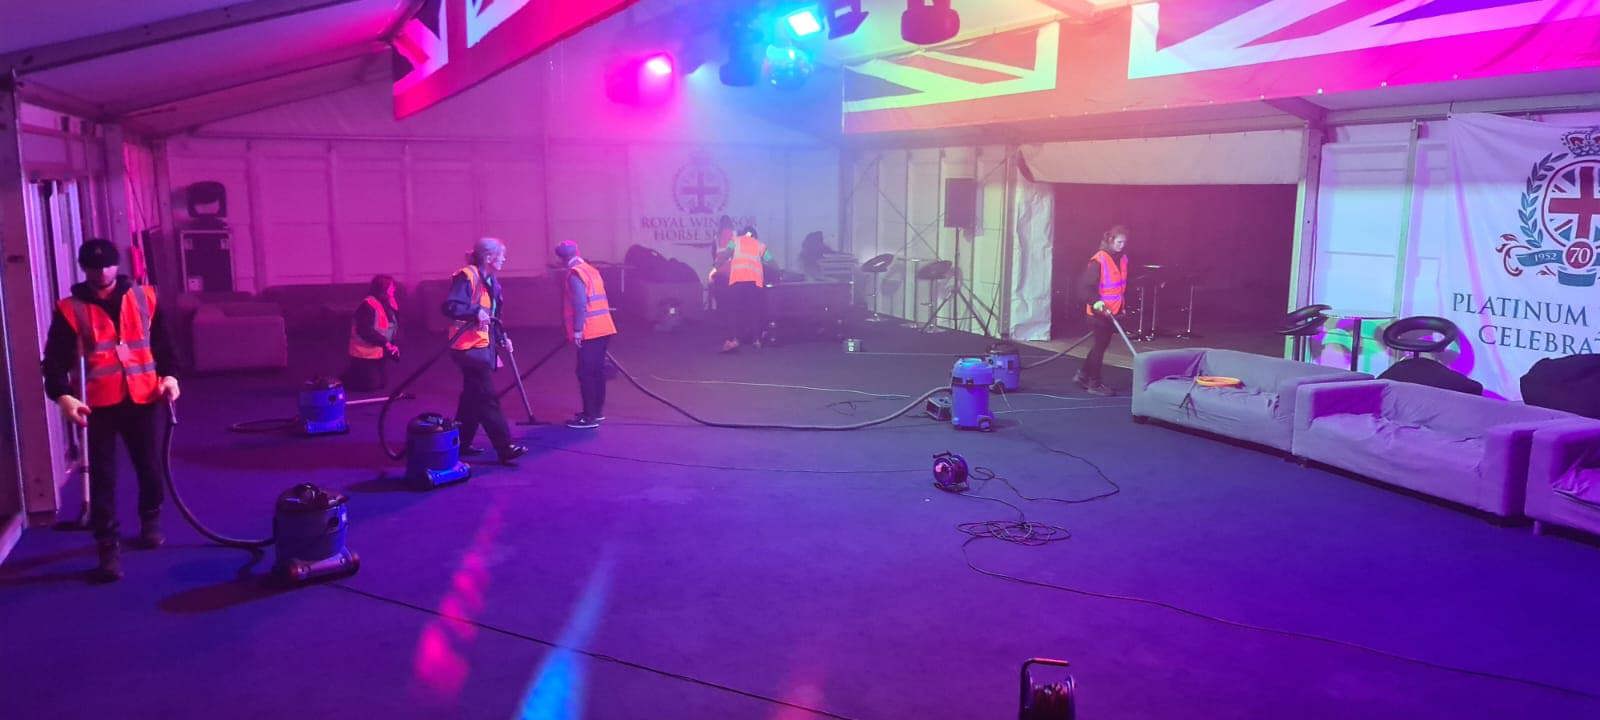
680, 193
1521, 284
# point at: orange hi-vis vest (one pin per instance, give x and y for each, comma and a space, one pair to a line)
477, 337
117, 358
597, 322
1113, 282
746, 263
359, 347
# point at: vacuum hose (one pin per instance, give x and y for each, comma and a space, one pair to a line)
177, 498
764, 426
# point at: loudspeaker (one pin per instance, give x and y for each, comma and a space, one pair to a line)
961, 203
205, 193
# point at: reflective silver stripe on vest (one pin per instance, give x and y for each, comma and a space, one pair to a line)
141, 303
597, 313
110, 370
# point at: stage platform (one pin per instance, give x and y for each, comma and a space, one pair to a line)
659, 569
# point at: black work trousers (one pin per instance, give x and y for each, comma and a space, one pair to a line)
365, 375
747, 308
1095, 361
139, 428
480, 402
592, 375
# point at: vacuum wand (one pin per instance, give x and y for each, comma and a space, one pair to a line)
1118, 326
511, 358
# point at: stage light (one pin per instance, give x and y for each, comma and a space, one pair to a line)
745, 46
929, 22
788, 68
660, 66
644, 80
804, 23
845, 17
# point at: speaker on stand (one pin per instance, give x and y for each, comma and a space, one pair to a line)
961, 213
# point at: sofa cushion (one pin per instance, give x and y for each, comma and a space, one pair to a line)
1230, 402
1404, 448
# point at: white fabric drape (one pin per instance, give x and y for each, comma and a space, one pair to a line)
1033, 217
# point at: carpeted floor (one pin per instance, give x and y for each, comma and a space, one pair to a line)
658, 569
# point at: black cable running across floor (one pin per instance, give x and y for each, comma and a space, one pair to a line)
587, 653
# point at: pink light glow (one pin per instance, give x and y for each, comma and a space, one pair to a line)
659, 66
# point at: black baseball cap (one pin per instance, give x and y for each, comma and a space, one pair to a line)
98, 253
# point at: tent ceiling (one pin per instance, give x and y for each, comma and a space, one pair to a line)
31, 24
226, 71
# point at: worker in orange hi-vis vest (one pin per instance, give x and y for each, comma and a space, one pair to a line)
129, 361
746, 257
1105, 283
372, 333
474, 307
586, 313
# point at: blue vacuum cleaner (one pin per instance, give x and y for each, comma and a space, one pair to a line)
969, 394
433, 452
1006, 359
309, 528
322, 406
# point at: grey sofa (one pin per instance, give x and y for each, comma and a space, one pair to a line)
239, 336
1564, 476
1462, 448
1261, 411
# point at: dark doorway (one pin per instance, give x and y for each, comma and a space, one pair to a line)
1235, 241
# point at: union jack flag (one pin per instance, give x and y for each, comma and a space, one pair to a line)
1005, 64
1174, 38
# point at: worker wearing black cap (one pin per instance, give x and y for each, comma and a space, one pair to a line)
129, 364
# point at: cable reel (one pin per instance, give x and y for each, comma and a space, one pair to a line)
950, 472
1047, 701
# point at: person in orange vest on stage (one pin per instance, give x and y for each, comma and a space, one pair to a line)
129, 363
474, 307
746, 257
587, 315
372, 337
1105, 281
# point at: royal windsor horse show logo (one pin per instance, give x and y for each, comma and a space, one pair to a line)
700, 187
1559, 215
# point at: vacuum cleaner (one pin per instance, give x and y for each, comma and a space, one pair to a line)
969, 394
309, 526
322, 405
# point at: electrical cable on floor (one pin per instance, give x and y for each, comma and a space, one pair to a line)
781, 386
1020, 532
602, 657
913, 405
1269, 630
731, 468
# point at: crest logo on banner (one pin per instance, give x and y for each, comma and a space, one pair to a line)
1560, 205
700, 187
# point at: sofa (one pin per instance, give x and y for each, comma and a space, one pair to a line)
1462, 448
239, 336
321, 308
529, 302
1261, 411
1564, 476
